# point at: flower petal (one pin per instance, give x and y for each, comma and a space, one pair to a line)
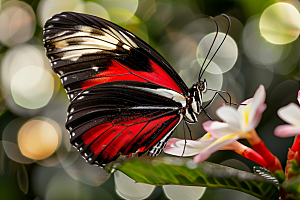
244, 103
179, 151
218, 144
217, 129
172, 141
258, 99
290, 114
298, 98
205, 137
286, 131
191, 148
191, 144
255, 121
230, 115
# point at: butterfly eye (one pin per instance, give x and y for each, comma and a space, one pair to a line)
202, 86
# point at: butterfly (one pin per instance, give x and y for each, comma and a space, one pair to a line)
124, 96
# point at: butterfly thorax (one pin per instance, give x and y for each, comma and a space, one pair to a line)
194, 102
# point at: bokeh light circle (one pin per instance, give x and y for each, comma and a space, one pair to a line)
48, 8
32, 87
129, 189
178, 192
256, 47
225, 57
38, 139
236, 164
88, 174
120, 10
19, 57
10, 141
92, 8
22, 177
17, 21
280, 23
214, 80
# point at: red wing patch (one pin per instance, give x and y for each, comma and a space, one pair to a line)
121, 72
108, 143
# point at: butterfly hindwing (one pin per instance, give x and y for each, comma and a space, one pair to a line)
121, 118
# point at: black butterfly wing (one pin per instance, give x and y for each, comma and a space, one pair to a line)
120, 118
111, 76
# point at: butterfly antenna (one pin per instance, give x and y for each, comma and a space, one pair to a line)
217, 31
229, 25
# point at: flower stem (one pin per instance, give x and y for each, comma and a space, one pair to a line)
296, 145
248, 153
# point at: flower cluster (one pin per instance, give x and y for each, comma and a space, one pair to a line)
241, 123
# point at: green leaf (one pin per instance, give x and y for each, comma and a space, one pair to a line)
180, 171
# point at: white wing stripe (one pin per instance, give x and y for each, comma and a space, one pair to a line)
171, 94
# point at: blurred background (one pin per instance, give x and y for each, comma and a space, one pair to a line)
36, 159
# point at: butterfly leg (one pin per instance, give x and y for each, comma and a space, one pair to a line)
206, 113
184, 138
189, 129
215, 95
219, 93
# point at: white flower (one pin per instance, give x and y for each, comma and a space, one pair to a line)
290, 114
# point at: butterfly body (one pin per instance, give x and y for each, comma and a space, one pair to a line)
124, 97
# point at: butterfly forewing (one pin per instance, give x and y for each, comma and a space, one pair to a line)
85, 50
124, 97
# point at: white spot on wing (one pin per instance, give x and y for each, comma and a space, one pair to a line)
130, 34
128, 39
86, 29
126, 47
75, 55
95, 68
